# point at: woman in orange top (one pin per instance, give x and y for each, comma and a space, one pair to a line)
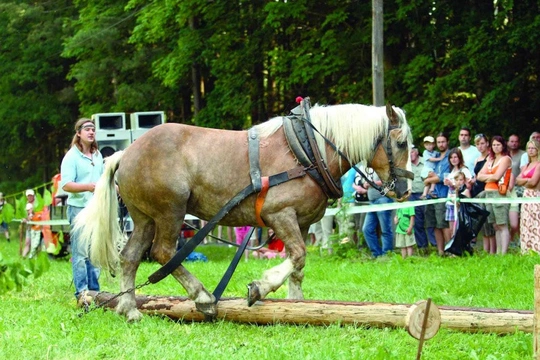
492, 173
530, 212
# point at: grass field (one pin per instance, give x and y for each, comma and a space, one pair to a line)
42, 321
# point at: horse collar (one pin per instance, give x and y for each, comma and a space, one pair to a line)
301, 139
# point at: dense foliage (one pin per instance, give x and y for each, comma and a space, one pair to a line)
232, 64
14, 274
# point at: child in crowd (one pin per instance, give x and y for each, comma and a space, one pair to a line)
276, 247
431, 157
33, 237
241, 232
459, 189
404, 221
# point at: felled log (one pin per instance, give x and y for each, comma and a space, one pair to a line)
318, 312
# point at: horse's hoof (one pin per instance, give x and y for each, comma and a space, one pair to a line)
209, 310
134, 316
254, 294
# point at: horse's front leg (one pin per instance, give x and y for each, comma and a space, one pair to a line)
273, 278
297, 276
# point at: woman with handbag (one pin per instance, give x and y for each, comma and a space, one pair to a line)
529, 178
496, 174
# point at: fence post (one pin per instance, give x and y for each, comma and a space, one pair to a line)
536, 317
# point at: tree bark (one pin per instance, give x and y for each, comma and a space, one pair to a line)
318, 312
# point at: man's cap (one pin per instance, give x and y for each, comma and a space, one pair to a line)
30, 192
429, 139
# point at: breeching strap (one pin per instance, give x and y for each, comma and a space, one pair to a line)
232, 266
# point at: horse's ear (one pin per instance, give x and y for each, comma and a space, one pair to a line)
394, 118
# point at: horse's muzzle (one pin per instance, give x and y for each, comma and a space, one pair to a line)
402, 189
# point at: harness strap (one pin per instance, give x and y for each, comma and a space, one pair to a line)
260, 185
260, 200
188, 248
232, 266
296, 133
253, 153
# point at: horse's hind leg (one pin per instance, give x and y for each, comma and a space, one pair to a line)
164, 248
131, 256
287, 229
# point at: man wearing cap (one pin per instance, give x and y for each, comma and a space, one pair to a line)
3, 224
430, 157
81, 168
435, 213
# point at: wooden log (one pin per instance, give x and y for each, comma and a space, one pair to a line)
423, 320
319, 312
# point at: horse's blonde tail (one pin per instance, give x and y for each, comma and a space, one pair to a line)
97, 224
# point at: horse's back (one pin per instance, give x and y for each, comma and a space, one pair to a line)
173, 163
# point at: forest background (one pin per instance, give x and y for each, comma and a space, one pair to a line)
233, 64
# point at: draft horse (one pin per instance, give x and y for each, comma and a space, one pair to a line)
176, 169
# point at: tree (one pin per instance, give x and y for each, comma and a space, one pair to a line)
37, 100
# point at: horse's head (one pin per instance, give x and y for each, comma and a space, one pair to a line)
359, 133
391, 159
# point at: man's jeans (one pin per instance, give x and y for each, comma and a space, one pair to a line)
384, 219
421, 234
85, 275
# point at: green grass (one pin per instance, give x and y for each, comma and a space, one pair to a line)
42, 321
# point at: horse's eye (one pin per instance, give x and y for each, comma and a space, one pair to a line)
402, 144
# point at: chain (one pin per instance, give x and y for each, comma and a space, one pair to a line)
86, 306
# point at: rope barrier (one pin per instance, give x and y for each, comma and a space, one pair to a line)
358, 209
355, 209
22, 193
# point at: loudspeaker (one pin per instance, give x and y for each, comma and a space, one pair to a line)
110, 121
141, 122
111, 132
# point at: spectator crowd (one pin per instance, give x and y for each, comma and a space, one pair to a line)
494, 170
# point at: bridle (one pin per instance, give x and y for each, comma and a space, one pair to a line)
393, 173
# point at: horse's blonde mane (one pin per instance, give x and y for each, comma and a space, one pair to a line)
269, 127
353, 128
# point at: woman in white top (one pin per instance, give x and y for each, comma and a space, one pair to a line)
455, 158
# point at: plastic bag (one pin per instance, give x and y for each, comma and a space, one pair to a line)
196, 256
471, 218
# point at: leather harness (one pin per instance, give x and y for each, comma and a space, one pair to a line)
301, 140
